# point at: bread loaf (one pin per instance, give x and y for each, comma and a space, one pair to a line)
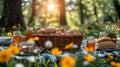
105, 42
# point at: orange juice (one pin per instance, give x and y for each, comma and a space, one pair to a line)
28, 34
90, 42
17, 38
90, 45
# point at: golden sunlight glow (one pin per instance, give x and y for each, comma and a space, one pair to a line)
51, 6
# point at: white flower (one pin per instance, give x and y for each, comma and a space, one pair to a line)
22, 53
85, 63
31, 59
48, 44
75, 46
30, 42
19, 65
35, 51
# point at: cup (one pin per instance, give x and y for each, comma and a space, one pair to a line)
90, 42
102, 34
17, 37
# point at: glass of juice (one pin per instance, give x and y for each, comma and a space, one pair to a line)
90, 42
29, 33
17, 37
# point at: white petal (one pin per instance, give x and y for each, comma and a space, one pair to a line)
19, 65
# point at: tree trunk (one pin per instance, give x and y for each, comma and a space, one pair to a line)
81, 14
95, 11
62, 12
12, 14
32, 18
117, 7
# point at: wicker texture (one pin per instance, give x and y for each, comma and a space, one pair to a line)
58, 40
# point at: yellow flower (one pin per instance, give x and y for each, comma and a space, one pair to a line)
96, 23
69, 46
118, 27
67, 61
3, 29
113, 38
9, 34
110, 56
36, 38
14, 27
30, 39
89, 58
4, 56
14, 49
90, 49
55, 51
112, 63
115, 64
86, 30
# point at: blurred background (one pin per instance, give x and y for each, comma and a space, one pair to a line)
74, 14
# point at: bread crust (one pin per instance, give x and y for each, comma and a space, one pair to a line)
103, 39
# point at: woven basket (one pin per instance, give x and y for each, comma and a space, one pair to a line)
58, 40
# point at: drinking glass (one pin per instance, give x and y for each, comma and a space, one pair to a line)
29, 33
102, 34
90, 42
17, 37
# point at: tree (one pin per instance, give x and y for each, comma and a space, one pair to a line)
62, 12
117, 7
12, 14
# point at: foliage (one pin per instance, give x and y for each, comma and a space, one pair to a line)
93, 29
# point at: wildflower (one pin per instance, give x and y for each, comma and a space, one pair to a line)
35, 51
67, 61
96, 23
110, 56
114, 39
86, 30
4, 56
55, 51
75, 46
19, 65
9, 34
69, 46
30, 39
89, 58
3, 29
36, 38
31, 59
85, 63
89, 49
14, 49
112, 63
14, 27
118, 27
115, 64
48, 44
